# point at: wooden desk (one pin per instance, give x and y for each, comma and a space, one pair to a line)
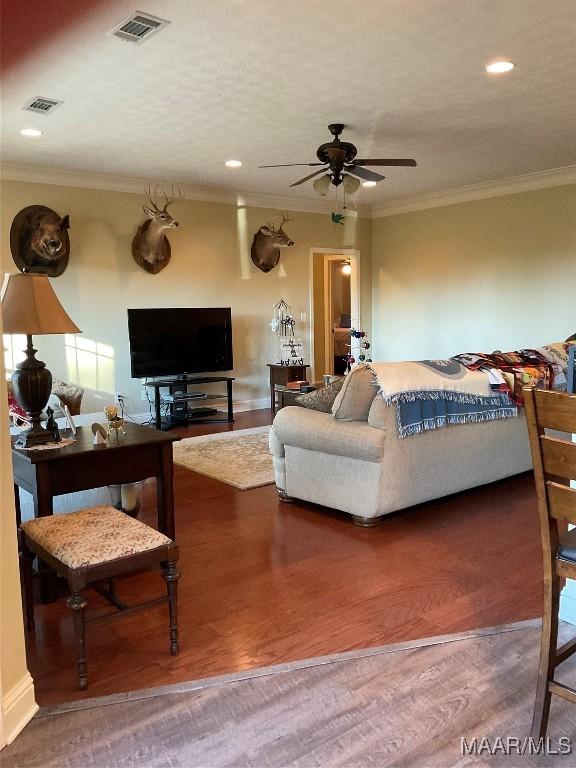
143, 452
282, 374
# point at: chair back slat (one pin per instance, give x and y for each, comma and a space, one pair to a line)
561, 501
556, 410
554, 461
558, 457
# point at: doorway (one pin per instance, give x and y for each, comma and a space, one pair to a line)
335, 308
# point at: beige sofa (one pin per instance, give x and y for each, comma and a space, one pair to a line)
361, 466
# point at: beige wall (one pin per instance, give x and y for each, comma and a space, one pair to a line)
210, 266
17, 704
490, 274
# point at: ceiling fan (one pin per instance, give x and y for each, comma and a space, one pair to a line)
340, 164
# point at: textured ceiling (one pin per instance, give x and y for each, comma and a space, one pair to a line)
259, 80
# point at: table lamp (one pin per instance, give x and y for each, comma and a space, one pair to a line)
30, 306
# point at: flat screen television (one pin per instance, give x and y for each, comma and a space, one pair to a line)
172, 342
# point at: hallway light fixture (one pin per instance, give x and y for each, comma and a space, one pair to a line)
347, 268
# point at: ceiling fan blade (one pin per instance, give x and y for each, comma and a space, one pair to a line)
381, 161
289, 165
364, 173
310, 176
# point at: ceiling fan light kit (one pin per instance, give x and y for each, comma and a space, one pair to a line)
350, 184
341, 166
322, 185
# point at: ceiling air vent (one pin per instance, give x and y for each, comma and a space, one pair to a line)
42, 106
138, 27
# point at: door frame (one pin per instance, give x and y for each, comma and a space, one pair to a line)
334, 254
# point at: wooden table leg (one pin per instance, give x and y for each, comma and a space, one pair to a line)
165, 491
42, 497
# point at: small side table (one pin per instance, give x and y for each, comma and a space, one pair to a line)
282, 374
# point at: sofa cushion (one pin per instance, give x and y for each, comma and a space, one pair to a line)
321, 399
356, 395
382, 416
318, 431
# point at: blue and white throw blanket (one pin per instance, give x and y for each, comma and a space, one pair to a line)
433, 393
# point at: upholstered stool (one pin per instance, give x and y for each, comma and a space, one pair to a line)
95, 545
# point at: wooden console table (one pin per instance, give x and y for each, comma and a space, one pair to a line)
141, 453
282, 374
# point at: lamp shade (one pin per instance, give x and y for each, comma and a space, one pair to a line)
30, 306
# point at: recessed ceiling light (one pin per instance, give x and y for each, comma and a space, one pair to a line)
233, 163
369, 183
500, 67
30, 132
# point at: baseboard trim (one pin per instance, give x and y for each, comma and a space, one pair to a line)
568, 602
257, 404
18, 708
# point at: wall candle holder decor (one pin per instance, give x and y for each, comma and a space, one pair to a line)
291, 349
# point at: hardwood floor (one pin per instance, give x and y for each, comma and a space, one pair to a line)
265, 582
407, 704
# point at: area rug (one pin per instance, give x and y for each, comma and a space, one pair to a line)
240, 458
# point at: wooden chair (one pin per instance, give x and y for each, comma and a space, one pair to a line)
91, 546
554, 466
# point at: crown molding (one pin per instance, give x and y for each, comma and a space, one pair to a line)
555, 177
136, 185
527, 182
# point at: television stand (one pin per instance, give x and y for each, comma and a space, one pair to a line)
178, 399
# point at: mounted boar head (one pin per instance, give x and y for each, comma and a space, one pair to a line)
39, 241
267, 242
150, 246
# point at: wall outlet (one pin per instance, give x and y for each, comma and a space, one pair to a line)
118, 397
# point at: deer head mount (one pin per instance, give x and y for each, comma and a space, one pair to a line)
267, 242
39, 241
150, 246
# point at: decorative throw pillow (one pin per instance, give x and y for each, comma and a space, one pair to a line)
69, 394
355, 397
321, 399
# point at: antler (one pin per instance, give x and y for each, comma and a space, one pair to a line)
285, 218
169, 200
172, 199
151, 197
